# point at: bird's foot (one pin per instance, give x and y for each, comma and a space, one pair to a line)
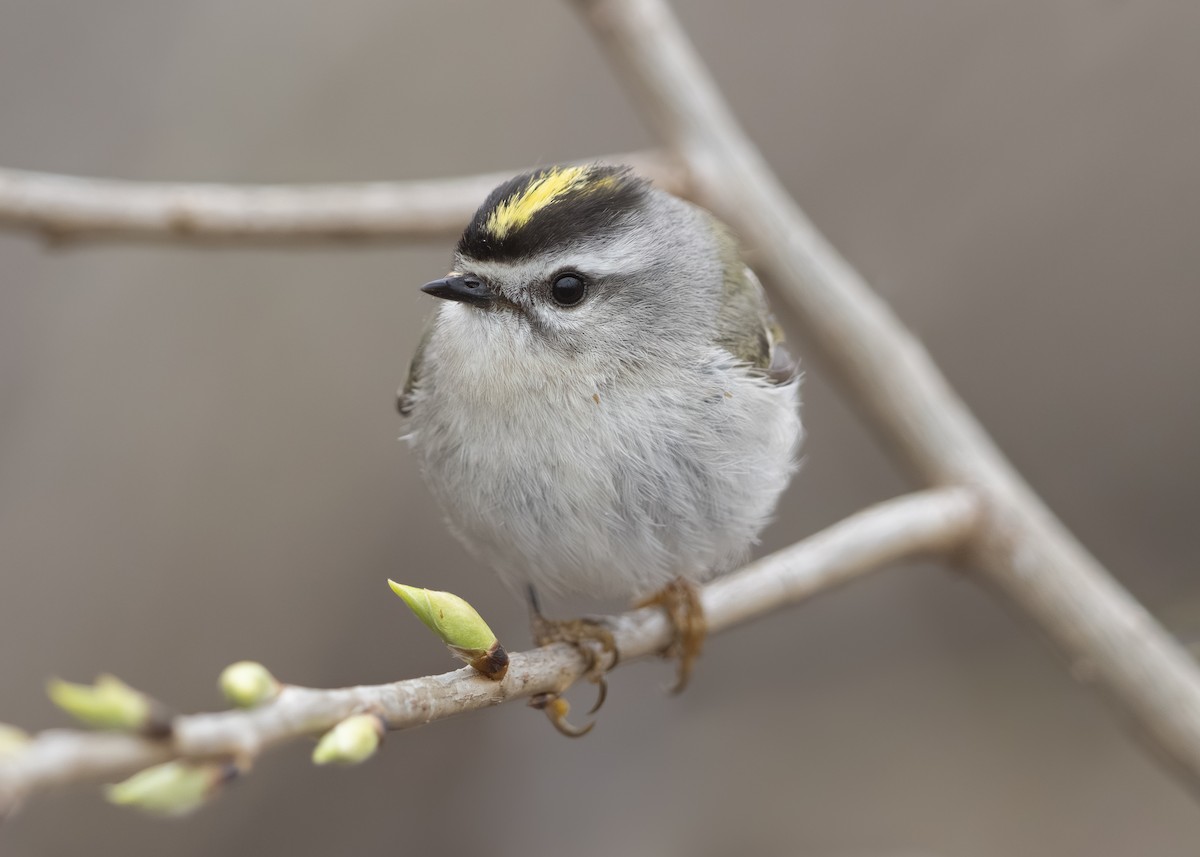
594, 640
592, 637
556, 709
680, 600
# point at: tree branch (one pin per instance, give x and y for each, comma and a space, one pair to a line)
934, 523
1018, 544
70, 208
1107, 636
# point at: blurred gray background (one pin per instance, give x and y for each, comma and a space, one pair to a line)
199, 457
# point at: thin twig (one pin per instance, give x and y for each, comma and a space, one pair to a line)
72, 209
1024, 550
929, 523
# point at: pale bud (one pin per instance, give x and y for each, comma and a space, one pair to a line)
171, 789
107, 704
12, 739
353, 740
247, 684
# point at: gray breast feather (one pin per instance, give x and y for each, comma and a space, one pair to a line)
603, 486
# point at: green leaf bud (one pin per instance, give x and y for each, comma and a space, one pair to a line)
353, 740
247, 684
12, 739
460, 627
107, 704
171, 789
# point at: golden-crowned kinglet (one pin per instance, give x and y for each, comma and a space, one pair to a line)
601, 404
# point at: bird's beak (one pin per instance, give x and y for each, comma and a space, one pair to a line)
468, 290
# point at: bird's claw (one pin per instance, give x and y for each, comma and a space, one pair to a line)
601, 692
556, 709
592, 638
680, 600
595, 642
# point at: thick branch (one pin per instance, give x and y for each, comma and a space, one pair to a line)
1106, 634
69, 208
933, 522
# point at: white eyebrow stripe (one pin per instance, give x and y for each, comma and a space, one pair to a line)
504, 271
623, 255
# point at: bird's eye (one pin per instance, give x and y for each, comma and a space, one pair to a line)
568, 289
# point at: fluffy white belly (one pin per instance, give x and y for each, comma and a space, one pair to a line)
605, 487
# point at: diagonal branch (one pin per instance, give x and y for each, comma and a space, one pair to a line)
1024, 550
70, 208
929, 523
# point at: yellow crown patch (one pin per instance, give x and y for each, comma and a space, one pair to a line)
554, 184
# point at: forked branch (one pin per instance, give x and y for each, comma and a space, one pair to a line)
1107, 636
1018, 545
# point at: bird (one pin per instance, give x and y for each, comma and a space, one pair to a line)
602, 403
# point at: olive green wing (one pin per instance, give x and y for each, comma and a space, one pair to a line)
745, 326
406, 397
